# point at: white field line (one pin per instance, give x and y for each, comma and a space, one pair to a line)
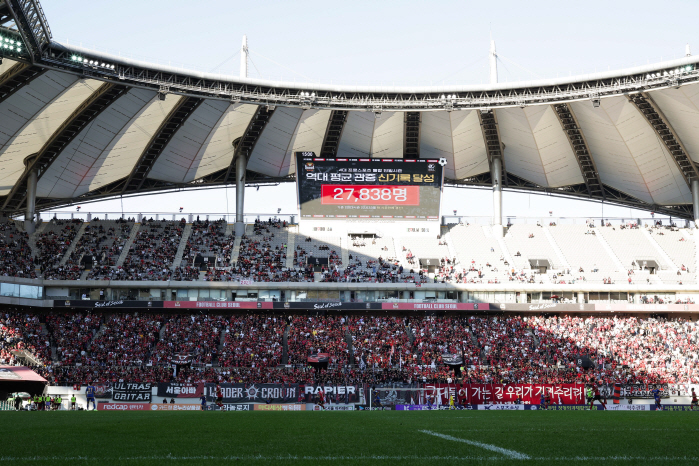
503, 451
102, 460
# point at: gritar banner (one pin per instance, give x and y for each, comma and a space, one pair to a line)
368, 188
250, 393
132, 391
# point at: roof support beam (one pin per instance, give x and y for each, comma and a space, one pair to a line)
577, 141
246, 144
32, 25
19, 75
648, 108
333, 133
174, 121
100, 100
491, 135
411, 146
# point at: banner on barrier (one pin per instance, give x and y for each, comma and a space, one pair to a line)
333, 393
180, 390
328, 407
280, 407
174, 407
506, 393
132, 391
122, 407
261, 392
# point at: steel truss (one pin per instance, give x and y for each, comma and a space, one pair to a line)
411, 146
577, 141
31, 22
100, 100
333, 133
59, 57
647, 107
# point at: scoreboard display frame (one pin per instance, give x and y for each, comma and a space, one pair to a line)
366, 189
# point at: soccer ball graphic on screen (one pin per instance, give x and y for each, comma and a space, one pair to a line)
442, 161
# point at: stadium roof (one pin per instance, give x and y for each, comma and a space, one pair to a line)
94, 126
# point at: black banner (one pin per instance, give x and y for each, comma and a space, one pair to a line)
644, 391
452, 359
366, 188
319, 358
132, 391
181, 358
252, 393
180, 390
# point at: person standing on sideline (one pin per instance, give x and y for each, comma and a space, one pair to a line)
656, 396
90, 393
203, 402
72, 402
695, 402
18, 402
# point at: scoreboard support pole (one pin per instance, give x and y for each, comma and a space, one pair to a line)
29, 224
241, 165
497, 197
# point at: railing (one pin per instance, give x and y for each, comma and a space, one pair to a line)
546, 221
87, 215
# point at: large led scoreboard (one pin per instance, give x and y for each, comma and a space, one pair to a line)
368, 188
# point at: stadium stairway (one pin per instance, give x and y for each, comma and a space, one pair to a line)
127, 246
186, 233
285, 346
72, 246
350, 346
344, 250
501, 242
34, 236
559, 254
450, 244
236, 250
670, 264
290, 246
615, 260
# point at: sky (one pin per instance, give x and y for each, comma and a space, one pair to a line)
384, 43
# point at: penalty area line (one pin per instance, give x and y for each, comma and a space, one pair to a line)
503, 451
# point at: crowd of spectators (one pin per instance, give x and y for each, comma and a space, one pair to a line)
194, 337
15, 254
52, 246
362, 349
253, 341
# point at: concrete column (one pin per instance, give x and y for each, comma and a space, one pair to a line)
497, 196
241, 165
581, 297
29, 224
695, 201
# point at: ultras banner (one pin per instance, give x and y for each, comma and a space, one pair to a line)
506, 393
180, 390
250, 393
333, 393
132, 391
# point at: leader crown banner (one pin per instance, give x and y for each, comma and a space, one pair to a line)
132, 391
251, 393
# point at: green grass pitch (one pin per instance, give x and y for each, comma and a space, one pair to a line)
338, 438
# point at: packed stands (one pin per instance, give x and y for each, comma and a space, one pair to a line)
52, 245
195, 338
125, 340
253, 341
152, 253
15, 253
72, 335
517, 349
